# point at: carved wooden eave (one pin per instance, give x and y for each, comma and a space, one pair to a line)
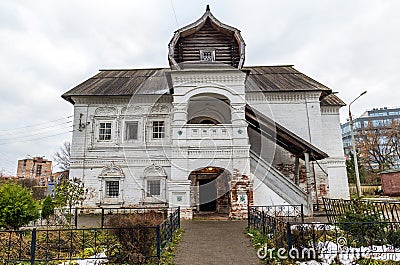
196, 26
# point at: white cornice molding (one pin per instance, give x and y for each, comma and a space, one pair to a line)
330, 109
284, 96
123, 100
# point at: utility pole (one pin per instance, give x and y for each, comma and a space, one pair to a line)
353, 143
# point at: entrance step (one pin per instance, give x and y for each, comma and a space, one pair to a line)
212, 216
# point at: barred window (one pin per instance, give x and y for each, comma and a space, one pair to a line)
105, 131
131, 132
207, 55
112, 189
153, 188
158, 129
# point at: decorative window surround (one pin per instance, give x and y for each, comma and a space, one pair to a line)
111, 182
154, 182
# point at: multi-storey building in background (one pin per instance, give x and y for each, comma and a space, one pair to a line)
373, 122
37, 168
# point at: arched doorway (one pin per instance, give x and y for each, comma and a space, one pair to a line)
210, 188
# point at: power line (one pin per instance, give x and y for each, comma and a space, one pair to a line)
34, 125
30, 135
32, 130
173, 10
34, 139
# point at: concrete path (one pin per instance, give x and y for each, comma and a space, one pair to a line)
215, 242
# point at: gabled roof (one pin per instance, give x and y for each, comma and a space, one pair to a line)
153, 81
196, 26
279, 78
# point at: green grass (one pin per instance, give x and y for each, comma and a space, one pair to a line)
167, 257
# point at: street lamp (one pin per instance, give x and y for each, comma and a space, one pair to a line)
353, 143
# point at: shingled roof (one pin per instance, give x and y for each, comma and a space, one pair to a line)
153, 81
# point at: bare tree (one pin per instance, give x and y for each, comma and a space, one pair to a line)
63, 156
377, 145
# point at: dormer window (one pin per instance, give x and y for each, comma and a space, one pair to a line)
207, 55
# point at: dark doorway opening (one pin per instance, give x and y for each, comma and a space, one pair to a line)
208, 195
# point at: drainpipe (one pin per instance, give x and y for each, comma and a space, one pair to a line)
308, 179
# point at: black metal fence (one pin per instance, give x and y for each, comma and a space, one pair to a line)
286, 213
344, 241
335, 208
115, 245
328, 242
82, 217
271, 220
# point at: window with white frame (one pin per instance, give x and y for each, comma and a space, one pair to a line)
131, 130
105, 131
153, 187
158, 129
112, 189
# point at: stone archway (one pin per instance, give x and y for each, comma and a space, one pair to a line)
210, 190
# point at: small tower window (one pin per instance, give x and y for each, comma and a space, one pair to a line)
207, 55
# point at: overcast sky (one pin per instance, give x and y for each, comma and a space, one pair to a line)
48, 47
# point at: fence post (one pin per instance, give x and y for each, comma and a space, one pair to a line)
179, 217
158, 242
289, 237
171, 227
248, 216
102, 217
263, 222
33, 246
76, 217
302, 213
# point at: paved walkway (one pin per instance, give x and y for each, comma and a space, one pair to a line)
215, 242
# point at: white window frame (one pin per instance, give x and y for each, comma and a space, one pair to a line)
126, 126
162, 195
163, 132
148, 193
98, 130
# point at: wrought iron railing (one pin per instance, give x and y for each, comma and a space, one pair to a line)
114, 245
73, 217
292, 213
344, 241
335, 208
271, 220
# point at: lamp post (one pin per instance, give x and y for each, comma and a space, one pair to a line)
353, 143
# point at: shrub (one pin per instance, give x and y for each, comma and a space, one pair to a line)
136, 235
362, 223
17, 206
47, 207
69, 193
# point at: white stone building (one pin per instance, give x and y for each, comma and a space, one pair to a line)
207, 133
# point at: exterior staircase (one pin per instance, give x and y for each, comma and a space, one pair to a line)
276, 181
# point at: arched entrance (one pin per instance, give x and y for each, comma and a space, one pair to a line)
209, 108
210, 188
